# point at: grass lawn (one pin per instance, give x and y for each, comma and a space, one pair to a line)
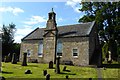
17, 71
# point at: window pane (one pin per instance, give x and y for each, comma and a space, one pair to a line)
59, 48
40, 50
28, 52
75, 52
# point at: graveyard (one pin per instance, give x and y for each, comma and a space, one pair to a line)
10, 70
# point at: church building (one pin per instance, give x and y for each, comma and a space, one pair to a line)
75, 43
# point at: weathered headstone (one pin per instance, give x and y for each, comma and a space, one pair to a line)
48, 77
64, 69
28, 72
66, 76
14, 58
109, 59
50, 65
6, 59
57, 65
44, 72
24, 62
2, 78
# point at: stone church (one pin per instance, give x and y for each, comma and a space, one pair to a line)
75, 44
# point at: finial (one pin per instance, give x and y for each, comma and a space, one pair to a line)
52, 10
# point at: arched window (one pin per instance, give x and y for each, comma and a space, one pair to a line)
40, 49
59, 48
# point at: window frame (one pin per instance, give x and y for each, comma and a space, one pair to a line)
28, 51
75, 52
61, 45
40, 50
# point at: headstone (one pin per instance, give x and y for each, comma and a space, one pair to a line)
64, 69
6, 59
66, 76
9, 57
50, 65
2, 78
90, 78
14, 58
48, 77
57, 65
24, 62
44, 72
109, 59
28, 72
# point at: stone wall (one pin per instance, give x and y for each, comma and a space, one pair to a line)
80, 43
32, 45
93, 41
49, 49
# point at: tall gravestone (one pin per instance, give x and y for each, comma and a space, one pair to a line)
57, 65
50, 65
24, 62
14, 58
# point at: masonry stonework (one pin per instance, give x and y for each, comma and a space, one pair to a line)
82, 37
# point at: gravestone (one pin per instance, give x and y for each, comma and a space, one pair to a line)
64, 69
66, 76
14, 58
57, 65
28, 72
6, 59
44, 72
24, 62
2, 78
48, 77
50, 65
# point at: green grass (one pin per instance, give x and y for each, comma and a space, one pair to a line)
17, 71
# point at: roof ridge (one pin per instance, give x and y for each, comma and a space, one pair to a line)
30, 33
74, 24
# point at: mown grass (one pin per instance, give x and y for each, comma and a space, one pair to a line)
17, 71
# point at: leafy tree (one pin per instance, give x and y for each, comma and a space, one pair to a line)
107, 17
7, 39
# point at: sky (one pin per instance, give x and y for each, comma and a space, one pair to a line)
28, 16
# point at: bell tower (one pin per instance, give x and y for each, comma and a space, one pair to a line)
51, 23
50, 38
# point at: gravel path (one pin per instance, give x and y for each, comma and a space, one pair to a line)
99, 73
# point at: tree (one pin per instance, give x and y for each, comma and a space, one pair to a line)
107, 17
7, 38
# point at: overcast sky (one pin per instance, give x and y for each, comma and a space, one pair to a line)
27, 16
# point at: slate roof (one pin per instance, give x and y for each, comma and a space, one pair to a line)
74, 30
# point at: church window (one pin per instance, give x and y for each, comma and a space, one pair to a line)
75, 52
40, 49
28, 53
59, 48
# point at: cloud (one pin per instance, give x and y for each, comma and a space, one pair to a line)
35, 20
74, 4
60, 19
22, 32
13, 10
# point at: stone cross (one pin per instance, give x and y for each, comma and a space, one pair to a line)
14, 58
24, 62
57, 65
50, 65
